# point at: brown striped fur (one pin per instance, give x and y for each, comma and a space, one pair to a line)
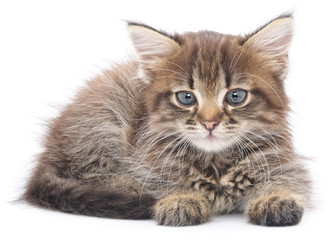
126, 147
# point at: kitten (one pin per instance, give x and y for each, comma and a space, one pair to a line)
196, 127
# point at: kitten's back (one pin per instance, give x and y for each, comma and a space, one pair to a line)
83, 149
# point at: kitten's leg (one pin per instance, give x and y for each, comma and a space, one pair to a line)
278, 208
182, 209
281, 199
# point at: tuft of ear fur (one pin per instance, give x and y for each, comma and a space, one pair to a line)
151, 43
273, 40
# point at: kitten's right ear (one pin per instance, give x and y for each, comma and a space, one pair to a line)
150, 43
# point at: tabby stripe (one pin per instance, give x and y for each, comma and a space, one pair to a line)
191, 82
225, 62
260, 93
190, 122
159, 98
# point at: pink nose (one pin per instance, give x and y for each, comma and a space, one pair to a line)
209, 125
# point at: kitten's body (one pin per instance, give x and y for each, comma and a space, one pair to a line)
126, 148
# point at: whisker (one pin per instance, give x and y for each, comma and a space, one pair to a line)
250, 153
271, 145
263, 156
155, 161
151, 143
168, 155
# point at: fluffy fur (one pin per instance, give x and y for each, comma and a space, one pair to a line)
128, 148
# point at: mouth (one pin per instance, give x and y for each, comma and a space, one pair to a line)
211, 138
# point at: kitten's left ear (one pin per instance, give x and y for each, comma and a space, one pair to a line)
151, 43
273, 40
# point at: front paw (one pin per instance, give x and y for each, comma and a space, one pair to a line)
275, 211
182, 210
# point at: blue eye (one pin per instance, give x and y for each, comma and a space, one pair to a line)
236, 97
186, 98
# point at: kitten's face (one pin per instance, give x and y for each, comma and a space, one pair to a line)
215, 91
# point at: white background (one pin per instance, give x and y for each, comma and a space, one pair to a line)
49, 48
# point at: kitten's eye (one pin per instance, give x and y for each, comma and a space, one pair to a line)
236, 97
186, 98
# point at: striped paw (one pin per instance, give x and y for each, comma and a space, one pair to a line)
275, 211
182, 210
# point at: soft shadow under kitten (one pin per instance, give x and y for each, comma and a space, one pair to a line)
196, 127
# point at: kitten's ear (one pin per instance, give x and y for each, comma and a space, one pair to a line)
150, 43
273, 40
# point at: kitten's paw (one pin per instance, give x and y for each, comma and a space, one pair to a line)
182, 210
275, 211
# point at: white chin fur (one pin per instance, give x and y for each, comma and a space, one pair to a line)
213, 144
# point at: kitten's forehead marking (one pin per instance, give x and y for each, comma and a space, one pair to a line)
210, 71
210, 87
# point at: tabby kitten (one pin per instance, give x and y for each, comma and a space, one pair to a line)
197, 126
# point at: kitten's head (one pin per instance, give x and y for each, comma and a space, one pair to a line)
215, 90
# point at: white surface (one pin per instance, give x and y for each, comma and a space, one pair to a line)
49, 48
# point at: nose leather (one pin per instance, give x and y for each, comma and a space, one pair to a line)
209, 124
